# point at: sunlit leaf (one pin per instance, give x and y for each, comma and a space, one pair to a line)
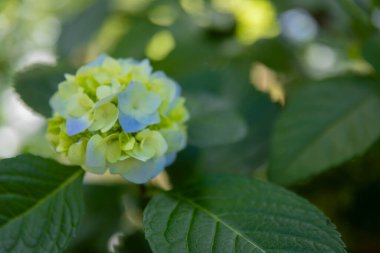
323, 125
79, 29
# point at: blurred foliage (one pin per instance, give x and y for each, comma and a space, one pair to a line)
212, 49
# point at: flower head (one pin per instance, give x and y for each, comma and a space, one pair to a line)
117, 115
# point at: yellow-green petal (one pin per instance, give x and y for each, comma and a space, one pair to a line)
104, 118
113, 148
127, 141
179, 112
79, 105
77, 153
151, 144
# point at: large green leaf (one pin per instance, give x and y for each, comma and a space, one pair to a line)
40, 204
236, 214
323, 125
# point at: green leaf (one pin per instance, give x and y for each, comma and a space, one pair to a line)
213, 122
37, 84
217, 128
104, 210
133, 43
236, 214
40, 204
371, 52
323, 125
78, 30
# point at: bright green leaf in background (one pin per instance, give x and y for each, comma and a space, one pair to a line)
40, 204
324, 124
235, 214
78, 30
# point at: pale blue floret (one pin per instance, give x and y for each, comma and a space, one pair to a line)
140, 172
168, 89
139, 68
170, 158
138, 108
177, 95
77, 125
96, 155
130, 124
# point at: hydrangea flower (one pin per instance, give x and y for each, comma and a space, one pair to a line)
118, 116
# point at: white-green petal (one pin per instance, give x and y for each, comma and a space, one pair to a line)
175, 137
96, 155
138, 101
151, 144
103, 91
113, 148
166, 88
79, 105
105, 117
137, 171
77, 153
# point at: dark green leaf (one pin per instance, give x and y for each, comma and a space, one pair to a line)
134, 243
273, 53
371, 52
213, 122
323, 125
40, 204
101, 219
236, 214
217, 128
37, 84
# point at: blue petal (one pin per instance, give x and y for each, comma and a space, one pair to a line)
126, 98
130, 124
151, 119
77, 125
170, 158
137, 171
98, 61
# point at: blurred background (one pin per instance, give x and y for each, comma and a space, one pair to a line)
236, 60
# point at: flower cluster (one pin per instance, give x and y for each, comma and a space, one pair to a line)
117, 115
